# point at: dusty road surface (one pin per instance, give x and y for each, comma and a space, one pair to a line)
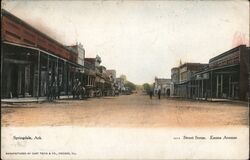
126, 111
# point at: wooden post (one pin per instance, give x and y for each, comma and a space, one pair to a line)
198, 89
211, 89
67, 79
48, 80
38, 77
65, 75
217, 86
207, 80
2, 61
57, 75
202, 88
229, 90
221, 85
233, 91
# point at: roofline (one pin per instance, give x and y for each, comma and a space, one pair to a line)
226, 53
19, 20
189, 63
217, 68
40, 50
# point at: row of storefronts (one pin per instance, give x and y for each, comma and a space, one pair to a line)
35, 65
30, 72
226, 76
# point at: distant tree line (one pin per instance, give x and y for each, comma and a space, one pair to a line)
130, 85
127, 83
146, 87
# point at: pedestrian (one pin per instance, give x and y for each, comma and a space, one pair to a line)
151, 93
59, 91
78, 90
159, 94
54, 90
74, 90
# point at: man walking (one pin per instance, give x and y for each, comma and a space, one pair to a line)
159, 94
151, 93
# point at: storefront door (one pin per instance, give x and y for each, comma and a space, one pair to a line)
18, 80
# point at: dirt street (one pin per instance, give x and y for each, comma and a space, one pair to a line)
126, 111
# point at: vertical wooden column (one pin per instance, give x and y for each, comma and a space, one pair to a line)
229, 87
211, 89
48, 80
233, 91
57, 75
217, 86
2, 61
57, 70
67, 79
202, 95
65, 82
206, 91
221, 85
38, 77
198, 89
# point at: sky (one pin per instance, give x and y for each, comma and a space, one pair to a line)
141, 39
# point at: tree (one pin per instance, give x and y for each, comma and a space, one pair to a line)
146, 86
127, 83
130, 85
139, 87
124, 77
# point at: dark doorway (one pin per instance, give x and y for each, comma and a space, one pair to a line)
13, 81
168, 92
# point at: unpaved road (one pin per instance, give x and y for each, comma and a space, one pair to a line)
126, 111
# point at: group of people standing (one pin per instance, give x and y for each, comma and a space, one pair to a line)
78, 90
151, 93
53, 91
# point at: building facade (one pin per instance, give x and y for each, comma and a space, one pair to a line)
225, 77
32, 62
174, 81
80, 51
186, 71
162, 84
98, 79
112, 74
35, 65
120, 84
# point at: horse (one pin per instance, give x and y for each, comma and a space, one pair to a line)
78, 91
82, 92
98, 93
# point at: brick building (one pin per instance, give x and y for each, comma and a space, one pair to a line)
162, 84
227, 76
174, 80
186, 71
31, 61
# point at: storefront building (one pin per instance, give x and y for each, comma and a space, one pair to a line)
226, 77
32, 63
185, 86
